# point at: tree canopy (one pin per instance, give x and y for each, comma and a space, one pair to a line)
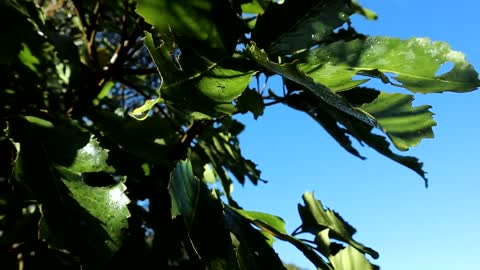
119, 149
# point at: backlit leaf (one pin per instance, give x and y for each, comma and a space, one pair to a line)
350, 259
414, 63
404, 124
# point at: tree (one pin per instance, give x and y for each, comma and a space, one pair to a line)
116, 122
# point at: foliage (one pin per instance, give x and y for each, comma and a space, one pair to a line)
117, 122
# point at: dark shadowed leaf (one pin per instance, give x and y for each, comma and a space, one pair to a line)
302, 24
311, 106
184, 189
251, 101
212, 22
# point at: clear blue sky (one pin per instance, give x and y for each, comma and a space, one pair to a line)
412, 227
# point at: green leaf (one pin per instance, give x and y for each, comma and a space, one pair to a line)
290, 71
184, 191
207, 87
104, 92
404, 124
91, 158
273, 221
252, 248
28, 59
316, 219
365, 12
208, 174
212, 22
255, 6
202, 85
414, 63
328, 117
107, 204
51, 166
252, 101
302, 24
350, 259
220, 147
380, 144
308, 103
271, 227
141, 113
141, 140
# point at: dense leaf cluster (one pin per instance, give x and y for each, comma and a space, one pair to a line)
118, 146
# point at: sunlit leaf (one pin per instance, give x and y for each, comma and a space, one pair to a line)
28, 59
107, 204
316, 219
367, 13
255, 6
91, 158
141, 113
414, 63
351, 259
